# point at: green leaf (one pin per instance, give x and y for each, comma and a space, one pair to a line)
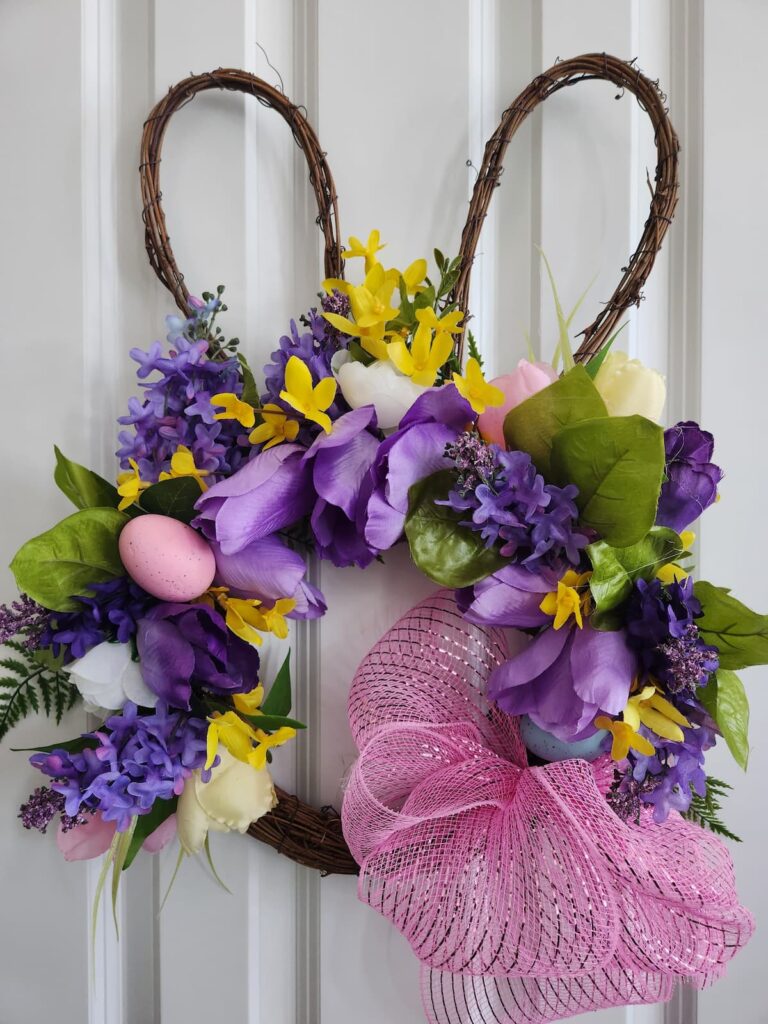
72, 746
146, 825
618, 464
594, 364
740, 634
82, 486
358, 354
65, 560
726, 700
270, 723
250, 393
532, 425
278, 700
616, 569
451, 555
175, 498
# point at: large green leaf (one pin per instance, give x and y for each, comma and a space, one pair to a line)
616, 569
740, 635
175, 498
278, 700
618, 464
450, 554
82, 486
726, 700
62, 562
532, 425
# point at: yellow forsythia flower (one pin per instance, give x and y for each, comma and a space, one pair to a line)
475, 388
183, 464
310, 401
367, 251
234, 409
275, 429
425, 356
624, 738
130, 485
567, 600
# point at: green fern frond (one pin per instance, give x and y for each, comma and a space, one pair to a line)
705, 810
31, 687
474, 351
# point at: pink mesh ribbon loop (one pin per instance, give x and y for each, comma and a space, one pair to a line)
524, 896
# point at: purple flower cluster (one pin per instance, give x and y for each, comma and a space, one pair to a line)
137, 759
691, 480
42, 807
661, 627
315, 346
23, 618
111, 612
510, 503
668, 779
177, 410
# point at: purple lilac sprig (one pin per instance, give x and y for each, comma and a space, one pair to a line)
510, 504
316, 347
23, 618
137, 759
176, 408
42, 807
110, 612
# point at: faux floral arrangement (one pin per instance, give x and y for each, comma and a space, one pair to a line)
553, 504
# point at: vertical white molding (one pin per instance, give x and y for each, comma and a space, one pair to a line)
100, 317
482, 87
536, 225
685, 273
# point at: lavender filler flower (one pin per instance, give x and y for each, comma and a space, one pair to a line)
23, 618
510, 503
42, 807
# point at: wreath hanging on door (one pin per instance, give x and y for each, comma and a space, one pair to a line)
528, 813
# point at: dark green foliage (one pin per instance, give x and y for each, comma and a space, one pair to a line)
705, 810
29, 687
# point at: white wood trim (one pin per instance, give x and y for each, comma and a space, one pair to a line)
106, 958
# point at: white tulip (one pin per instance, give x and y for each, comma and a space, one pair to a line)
629, 388
236, 795
381, 385
107, 676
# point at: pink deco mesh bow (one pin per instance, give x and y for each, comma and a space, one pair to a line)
524, 896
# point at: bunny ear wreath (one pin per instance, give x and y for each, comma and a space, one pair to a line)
535, 874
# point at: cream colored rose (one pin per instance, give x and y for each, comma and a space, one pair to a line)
379, 385
628, 388
235, 795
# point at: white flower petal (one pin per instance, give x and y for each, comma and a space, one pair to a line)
98, 674
380, 385
236, 794
135, 688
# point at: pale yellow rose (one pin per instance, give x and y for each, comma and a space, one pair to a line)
235, 795
628, 388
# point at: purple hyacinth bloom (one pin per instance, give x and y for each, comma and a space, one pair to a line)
678, 769
316, 347
340, 461
660, 623
268, 569
176, 408
565, 677
184, 646
691, 476
510, 597
415, 450
272, 491
510, 504
137, 759
110, 612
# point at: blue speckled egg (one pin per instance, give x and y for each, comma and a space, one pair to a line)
550, 748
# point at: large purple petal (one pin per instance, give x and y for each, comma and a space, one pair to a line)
510, 597
167, 661
603, 668
540, 654
310, 603
440, 405
339, 471
344, 430
338, 538
266, 569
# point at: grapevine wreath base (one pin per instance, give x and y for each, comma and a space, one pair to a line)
530, 809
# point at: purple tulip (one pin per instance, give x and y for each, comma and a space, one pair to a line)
565, 677
691, 477
271, 491
414, 451
267, 570
339, 462
182, 646
510, 597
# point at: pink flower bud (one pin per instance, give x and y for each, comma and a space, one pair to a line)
523, 382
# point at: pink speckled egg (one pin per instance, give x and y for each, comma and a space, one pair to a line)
167, 558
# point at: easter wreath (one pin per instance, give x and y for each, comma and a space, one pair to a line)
512, 789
